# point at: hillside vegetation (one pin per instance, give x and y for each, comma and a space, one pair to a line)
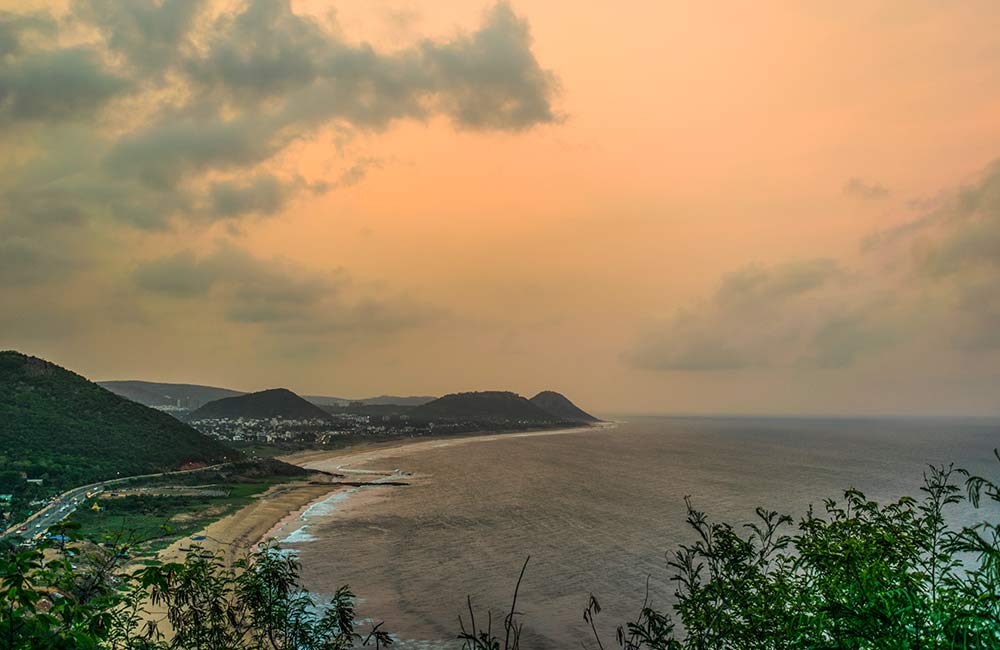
56, 425
485, 405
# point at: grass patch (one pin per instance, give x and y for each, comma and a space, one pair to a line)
153, 522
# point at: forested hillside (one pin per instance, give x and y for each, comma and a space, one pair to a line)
483, 405
56, 425
559, 405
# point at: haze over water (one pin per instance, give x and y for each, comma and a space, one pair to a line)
596, 510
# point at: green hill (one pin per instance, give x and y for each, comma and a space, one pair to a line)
559, 405
485, 405
56, 425
274, 403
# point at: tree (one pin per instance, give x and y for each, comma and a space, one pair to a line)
258, 604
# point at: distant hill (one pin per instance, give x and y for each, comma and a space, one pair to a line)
273, 403
376, 410
397, 400
381, 400
486, 405
55, 424
326, 400
179, 396
558, 405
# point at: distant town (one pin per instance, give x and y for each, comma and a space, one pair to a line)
310, 431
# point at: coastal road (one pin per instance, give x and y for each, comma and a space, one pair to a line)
64, 504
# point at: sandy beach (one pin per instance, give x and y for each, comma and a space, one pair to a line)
235, 534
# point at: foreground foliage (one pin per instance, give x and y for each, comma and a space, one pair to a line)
857, 575
197, 604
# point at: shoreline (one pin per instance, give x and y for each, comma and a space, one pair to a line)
285, 503
364, 450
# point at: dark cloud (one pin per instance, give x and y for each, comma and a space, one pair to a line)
234, 271
933, 282
881, 239
275, 293
806, 313
862, 189
264, 194
843, 339
148, 36
15, 29
64, 84
755, 319
65, 188
956, 253
490, 79
978, 308
162, 154
756, 284
139, 123
181, 275
284, 75
213, 99
967, 235
487, 80
265, 50
355, 173
946, 220
685, 344
24, 263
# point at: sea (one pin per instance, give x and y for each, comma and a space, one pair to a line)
593, 512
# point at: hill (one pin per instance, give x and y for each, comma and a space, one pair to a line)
381, 400
398, 400
372, 410
558, 405
179, 396
486, 405
326, 400
56, 425
274, 403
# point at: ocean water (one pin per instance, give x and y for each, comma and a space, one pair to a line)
596, 511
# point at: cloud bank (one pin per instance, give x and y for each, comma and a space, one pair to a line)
137, 123
931, 283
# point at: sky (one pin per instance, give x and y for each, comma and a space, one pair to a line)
765, 207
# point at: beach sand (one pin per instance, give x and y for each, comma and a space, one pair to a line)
237, 533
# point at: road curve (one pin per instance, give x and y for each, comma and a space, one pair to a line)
64, 504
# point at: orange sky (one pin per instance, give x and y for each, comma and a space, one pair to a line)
694, 146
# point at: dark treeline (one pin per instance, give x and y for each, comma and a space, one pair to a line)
855, 575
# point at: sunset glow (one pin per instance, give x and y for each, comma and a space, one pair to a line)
741, 207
